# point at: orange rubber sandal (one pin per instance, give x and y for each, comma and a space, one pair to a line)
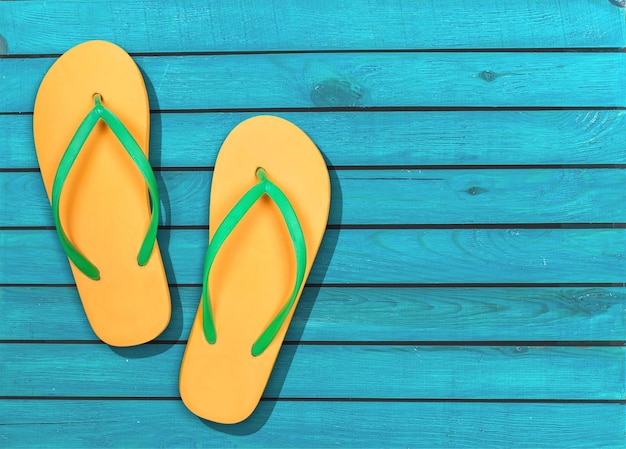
91, 125
270, 198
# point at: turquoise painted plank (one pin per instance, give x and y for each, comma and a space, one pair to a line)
163, 423
151, 25
363, 314
374, 256
329, 371
385, 197
362, 80
382, 138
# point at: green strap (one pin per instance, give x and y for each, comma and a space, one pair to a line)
265, 186
65, 166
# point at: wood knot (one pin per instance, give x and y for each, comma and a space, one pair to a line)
620, 3
334, 92
476, 190
487, 76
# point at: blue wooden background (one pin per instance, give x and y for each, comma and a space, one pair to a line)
469, 291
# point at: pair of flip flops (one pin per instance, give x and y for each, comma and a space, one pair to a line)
269, 204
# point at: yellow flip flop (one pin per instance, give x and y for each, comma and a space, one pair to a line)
91, 125
270, 198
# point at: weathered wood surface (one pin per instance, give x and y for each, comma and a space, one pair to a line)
365, 314
330, 371
387, 197
314, 424
379, 256
357, 80
382, 139
469, 291
190, 26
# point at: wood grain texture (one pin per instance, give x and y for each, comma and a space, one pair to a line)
162, 423
382, 138
358, 80
385, 197
374, 256
430, 372
152, 26
363, 314
430, 114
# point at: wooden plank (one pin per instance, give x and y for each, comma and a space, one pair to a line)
358, 80
165, 423
150, 25
457, 372
363, 314
374, 256
386, 197
383, 138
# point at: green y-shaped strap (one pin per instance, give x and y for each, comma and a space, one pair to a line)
265, 186
67, 161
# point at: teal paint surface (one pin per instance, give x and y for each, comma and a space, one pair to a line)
470, 289
377, 256
407, 196
242, 26
322, 80
289, 424
349, 314
384, 138
424, 372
